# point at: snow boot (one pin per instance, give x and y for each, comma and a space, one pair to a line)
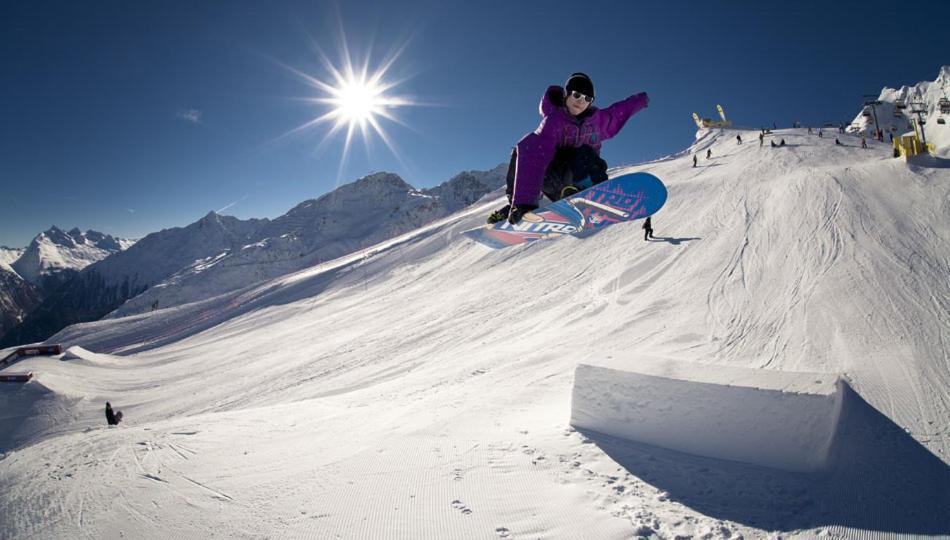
499, 215
518, 211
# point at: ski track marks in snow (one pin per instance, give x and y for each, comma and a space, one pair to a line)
421, 388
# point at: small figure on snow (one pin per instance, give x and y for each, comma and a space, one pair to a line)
772, 143
821, 134
837, 142
739, 139
647, 229
761, 139
782, 142
565, 148
864, 142
694, 160
809, 131
709, 153
113, 418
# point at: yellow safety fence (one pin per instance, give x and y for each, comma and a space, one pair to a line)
910, 145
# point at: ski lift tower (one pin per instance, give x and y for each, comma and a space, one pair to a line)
919, 108
873, 102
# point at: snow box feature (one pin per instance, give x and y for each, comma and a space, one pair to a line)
774, 419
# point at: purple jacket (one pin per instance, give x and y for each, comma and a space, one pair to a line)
559, 129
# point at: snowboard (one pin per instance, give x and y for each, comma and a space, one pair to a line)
622, 198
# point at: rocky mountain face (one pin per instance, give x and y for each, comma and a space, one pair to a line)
18, 297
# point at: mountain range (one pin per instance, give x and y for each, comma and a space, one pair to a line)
219, 253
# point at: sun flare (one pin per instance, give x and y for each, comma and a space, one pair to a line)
354, 99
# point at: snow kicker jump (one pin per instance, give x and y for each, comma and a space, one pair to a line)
624, 198
775, 419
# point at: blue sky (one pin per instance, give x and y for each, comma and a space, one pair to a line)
131, 117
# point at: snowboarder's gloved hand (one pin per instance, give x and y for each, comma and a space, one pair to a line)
518, 211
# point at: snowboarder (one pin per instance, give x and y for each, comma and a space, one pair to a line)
709, 153
761, 139
566, 146
864, 142
647, 229
113, 418
782, 142
821, 134
837, 142
809, 131
694, 160
772, 143
739, 139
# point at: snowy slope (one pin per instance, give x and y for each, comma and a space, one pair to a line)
422, 387
924, 96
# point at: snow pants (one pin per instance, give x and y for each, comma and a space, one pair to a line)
569, 166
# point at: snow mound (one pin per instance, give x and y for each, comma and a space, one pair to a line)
78, 353
781, 420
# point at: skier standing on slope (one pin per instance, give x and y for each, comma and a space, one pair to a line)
565, 148
647, 229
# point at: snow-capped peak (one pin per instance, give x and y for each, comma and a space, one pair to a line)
55, 251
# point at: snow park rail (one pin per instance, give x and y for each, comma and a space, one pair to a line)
774, 419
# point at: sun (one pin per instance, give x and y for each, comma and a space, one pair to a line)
355, 99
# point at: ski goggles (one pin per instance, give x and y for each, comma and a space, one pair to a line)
577, 95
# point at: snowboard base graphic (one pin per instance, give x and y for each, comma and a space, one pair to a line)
622, 198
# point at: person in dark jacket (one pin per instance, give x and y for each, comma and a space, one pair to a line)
565, 148
113, 418
647, 229
694, 160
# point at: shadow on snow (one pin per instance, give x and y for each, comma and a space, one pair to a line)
881, 479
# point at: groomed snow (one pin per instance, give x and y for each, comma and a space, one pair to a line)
422, 388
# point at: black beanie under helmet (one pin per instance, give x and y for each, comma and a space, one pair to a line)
580, 82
